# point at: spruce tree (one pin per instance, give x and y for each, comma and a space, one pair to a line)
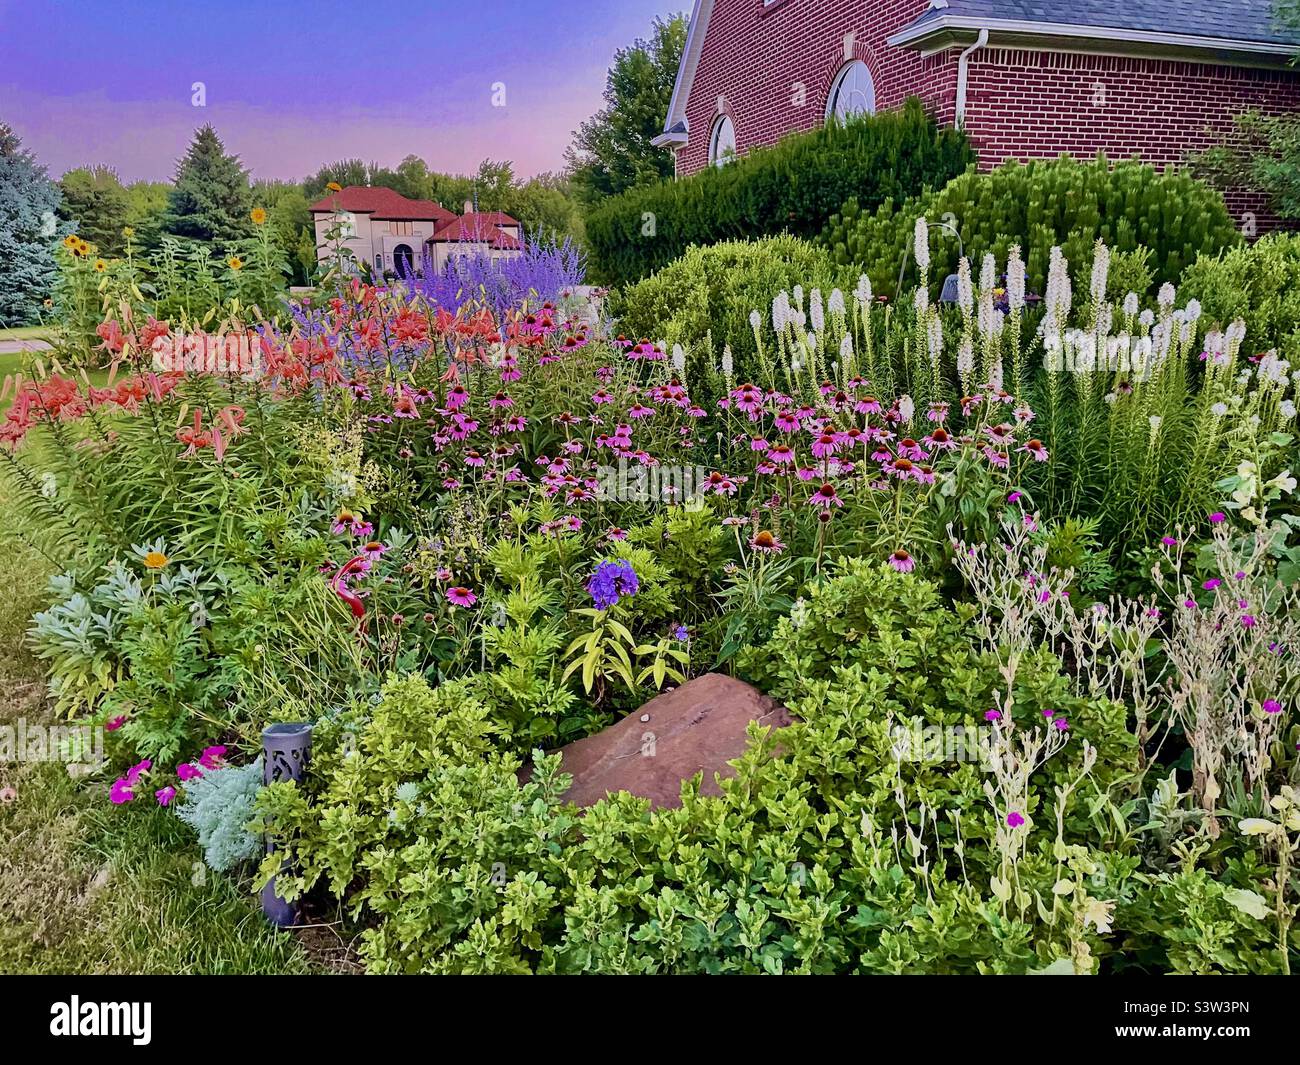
211, 199
28, 232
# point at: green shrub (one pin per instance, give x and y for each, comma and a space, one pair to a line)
794, 186
1258, 283
704, 299
1037, 205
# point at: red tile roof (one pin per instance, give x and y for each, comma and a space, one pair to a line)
479, 228
383, 203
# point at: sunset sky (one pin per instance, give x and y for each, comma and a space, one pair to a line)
290, 86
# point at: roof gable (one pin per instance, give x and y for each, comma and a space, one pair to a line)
384, 203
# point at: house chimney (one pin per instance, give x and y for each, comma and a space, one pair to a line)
469, 206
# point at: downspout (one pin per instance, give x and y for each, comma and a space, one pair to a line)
959, 111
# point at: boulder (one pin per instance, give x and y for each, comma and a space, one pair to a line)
697, 727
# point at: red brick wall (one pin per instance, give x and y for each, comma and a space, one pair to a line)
1025, 104
757, 58
1020, 104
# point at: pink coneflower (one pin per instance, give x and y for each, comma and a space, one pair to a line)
902, 561
902, 468
997, 459
1036, 449
461, 596
473, 458
373, 549
867, 405
500, 401
601, 396
826, 497
1014, 819
787, 420
639, 410
910, 449
941, 440
457, 397
766, 542
616, 534
1272, 706
825, 445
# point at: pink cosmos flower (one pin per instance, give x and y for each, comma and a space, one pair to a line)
461, 596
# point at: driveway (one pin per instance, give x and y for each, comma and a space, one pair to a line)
15, 347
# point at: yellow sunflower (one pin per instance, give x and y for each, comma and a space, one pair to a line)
235, 262
333, 186
128, 232
100, 266
258, 216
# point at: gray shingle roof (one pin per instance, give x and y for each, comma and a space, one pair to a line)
1241, 20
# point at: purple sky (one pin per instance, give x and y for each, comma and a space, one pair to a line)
293, 85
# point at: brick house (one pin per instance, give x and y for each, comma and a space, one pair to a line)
1025, 78
387, 230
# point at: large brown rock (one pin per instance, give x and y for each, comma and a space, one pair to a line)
697, 727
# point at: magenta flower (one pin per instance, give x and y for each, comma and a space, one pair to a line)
165, 795
1272, 706
460, 596
136, 771
1217, 517
374, 550
1211, 584
901, 561
1248, 621
212, 757
1014, 819
115, 724
992, 715
188, 771
120, 792
1169, 541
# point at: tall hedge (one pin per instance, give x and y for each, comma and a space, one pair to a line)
1036, 205
793, 186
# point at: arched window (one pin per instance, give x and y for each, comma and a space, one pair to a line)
722, 142
852, 92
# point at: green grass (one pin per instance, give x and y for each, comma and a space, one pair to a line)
87, 887
16, 362
28, 332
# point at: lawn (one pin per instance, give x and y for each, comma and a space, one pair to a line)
28, 332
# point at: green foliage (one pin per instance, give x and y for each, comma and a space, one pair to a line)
95, 200
219, 806
611, 151
703, 301
28, 232
1037, 205
1262, 152
210, 199
793, 186
1258, 283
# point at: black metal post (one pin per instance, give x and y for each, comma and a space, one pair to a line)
285, 750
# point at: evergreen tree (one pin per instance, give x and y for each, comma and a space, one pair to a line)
211, 199
93, 198
29, 232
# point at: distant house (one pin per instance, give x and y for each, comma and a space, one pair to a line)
1025, 78
392, 234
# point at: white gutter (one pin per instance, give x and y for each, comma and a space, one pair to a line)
919, 31
959, 110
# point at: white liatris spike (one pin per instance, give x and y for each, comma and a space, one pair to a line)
1165, 297
780, 311
1146, 318
988, 272
906, 409
755, 321
921, 299
1100, 272
798, 296
679, 358
835, 302
811, 340
728, 364
1105, 316
965, 359
1131, 304
1015, 279
1287, 409
934, 337
995, 376
846, 349
984, 319
1219, 409
965, 291
815, 311
863, 291
1193, 310
1154, 421
1058, 290
1237, 330
921, 244
796, 364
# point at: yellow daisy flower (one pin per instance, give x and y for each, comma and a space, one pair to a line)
235, 262
258, 216
155, 560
